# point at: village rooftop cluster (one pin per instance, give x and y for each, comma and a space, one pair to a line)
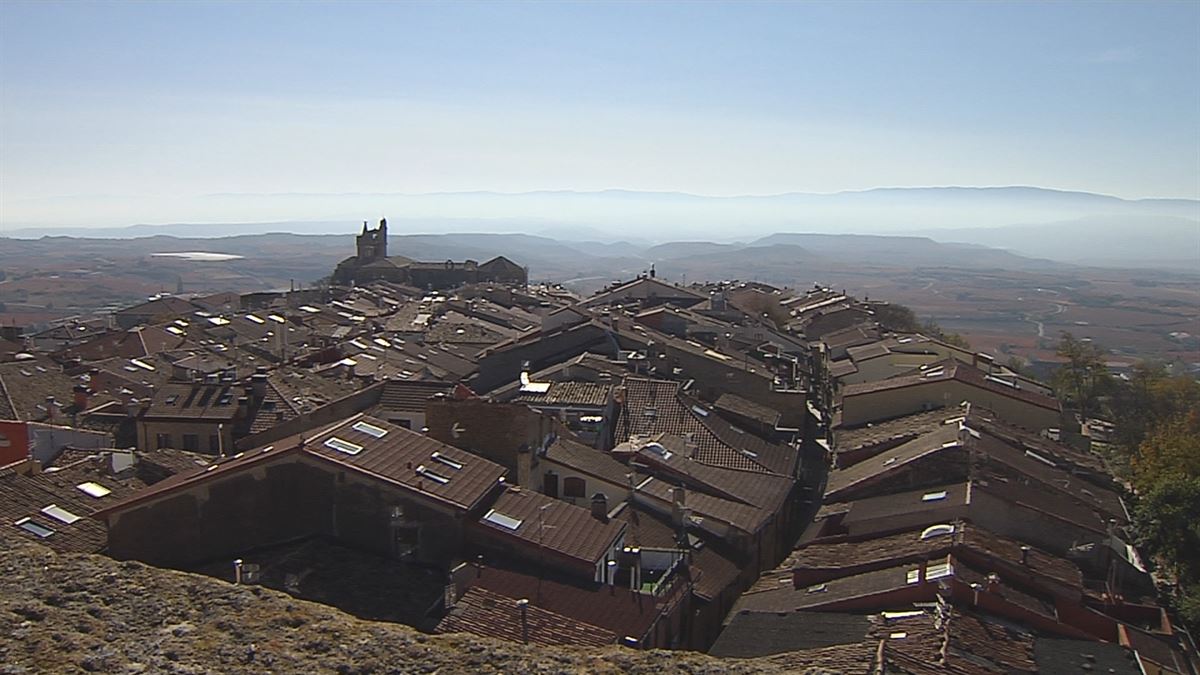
727, 467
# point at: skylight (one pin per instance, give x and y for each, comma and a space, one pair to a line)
439, 457
431, 475
343, 446
507, 522
33, 528
60, 514
370, 429
819, 588
937, 531
94, 489
255, 319
933, 496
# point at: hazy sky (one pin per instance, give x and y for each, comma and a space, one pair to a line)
165, 102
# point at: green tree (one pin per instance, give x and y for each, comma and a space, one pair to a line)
1084, 378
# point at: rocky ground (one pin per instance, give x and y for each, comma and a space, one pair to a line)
82, 613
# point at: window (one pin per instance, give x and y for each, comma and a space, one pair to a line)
343, 446
191, 442
507, 522
93, 489
214, 444
574, 487
369, 429
34, 528
162, 440
60, 514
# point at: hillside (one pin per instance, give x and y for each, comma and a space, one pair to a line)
80, 613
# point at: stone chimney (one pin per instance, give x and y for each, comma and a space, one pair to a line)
600, 507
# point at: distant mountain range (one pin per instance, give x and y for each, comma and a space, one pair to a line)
1076, 227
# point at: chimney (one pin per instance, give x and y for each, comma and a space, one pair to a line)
51, 404
523, 605
1024, 555
243, 407
611, 572
258, 383
81, 397
600, 507
993, 582
678, 506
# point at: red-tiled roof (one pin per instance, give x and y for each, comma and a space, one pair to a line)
487, 614
394, 458
553, 525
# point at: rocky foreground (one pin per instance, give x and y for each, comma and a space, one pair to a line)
86, 613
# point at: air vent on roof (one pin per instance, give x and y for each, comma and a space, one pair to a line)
507, 522
33, 528
431, 475
369, 429
60, 514
343, 446
439, 457
933, 496
93, 489
658, 449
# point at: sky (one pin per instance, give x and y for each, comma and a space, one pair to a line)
140, 112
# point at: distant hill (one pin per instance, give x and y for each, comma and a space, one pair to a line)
1112, 240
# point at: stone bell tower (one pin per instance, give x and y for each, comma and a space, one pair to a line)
372, 244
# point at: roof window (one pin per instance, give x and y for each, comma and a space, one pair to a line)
60, 514
343, 446
936, 531
507, 522
369, 429
819, 588
93, 489
33, 528
439, 457
431, 475
933, 496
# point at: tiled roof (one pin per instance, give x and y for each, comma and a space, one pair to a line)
891, 431
748, 409
588, 460
910, 546
707, 508
951, 369
1081, 657
217, 402
755, 634
655, 407
936, 441
487, 614
553, 525
711, 572
394, 458
28, 383
590, 394
617, 610
409, 396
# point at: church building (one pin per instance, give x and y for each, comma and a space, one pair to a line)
371, 261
